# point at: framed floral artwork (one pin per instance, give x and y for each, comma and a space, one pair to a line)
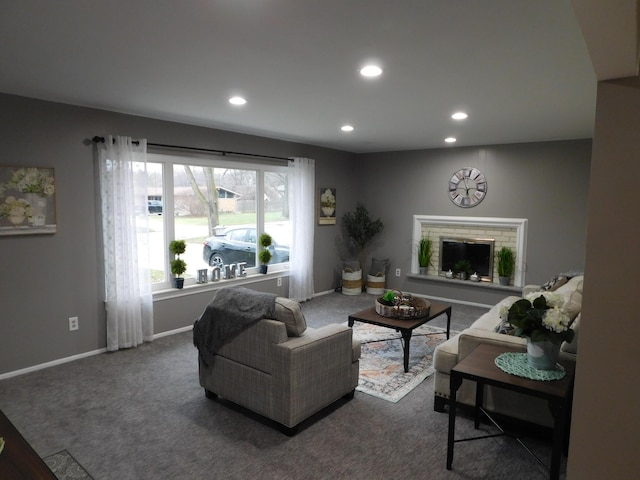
27, 200
327, 206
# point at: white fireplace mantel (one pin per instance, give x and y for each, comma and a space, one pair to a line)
519, 224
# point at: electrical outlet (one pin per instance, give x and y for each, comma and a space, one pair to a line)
279, 281
398, 272
73, 323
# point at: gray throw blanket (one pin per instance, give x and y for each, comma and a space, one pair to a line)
231, 310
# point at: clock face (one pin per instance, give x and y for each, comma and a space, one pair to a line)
467, 187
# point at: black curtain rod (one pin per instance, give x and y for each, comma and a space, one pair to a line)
97, 139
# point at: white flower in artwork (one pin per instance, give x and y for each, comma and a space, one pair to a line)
327, 199
32, 180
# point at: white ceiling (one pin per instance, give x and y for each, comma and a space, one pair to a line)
520, 68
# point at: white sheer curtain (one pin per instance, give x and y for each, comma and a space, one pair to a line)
301, 207
129, 301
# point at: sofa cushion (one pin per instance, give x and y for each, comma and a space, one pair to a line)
289, 312
572, 347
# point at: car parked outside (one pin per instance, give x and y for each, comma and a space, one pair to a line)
239, 245
154, 207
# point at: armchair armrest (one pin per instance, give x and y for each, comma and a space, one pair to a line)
310, 370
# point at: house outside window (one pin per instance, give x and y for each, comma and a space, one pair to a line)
220, 208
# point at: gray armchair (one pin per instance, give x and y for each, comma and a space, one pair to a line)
283, 370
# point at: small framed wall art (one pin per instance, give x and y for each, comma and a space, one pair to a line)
27, 201
327, 206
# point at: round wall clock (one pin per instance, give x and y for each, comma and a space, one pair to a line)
467, 187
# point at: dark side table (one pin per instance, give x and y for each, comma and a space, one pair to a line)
479, 366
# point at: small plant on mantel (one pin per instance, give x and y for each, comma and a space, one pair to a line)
463, 268
178, 266
506, 265
425, 252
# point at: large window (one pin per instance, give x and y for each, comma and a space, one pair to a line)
220, 208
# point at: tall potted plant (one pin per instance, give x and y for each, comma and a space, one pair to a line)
178, 266
361, 229
506, 265
264, 256
425, 252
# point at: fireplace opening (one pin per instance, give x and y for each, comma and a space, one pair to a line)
479, 252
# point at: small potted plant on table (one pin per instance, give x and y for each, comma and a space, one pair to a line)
265, 254
178, 266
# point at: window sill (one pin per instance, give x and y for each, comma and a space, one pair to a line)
198, 288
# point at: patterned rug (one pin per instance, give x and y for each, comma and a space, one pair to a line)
65, 467
382, 362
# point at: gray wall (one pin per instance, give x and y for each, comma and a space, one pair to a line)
547, 183
47, 279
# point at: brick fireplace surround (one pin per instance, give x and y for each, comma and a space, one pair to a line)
506, 232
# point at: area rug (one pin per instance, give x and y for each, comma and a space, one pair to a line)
65, 467
382, 361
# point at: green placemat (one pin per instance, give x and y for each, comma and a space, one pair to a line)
517, 364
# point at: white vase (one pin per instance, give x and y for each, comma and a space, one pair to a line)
38, 208
542, 355
328, 211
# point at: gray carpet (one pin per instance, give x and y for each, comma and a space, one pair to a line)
141, 414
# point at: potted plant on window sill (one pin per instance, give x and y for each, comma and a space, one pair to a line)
265, 254
178, 266
506, 265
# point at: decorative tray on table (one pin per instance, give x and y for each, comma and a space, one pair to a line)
403, 306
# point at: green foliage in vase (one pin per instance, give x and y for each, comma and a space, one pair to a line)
425, 252
506, 262
361, 229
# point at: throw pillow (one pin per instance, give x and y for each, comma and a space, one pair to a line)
555, 283
289, 312
379, 267
505, 328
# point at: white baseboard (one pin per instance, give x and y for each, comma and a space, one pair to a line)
53, 363
61, 361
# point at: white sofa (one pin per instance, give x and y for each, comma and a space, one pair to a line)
485, 330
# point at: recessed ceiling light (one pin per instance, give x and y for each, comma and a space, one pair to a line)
346, 128
237, 101
459, 116
370, 71
450, 139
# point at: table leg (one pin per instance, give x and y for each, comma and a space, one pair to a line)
454, 384
406, 341
448, 312
559, 411
350, 322
479, 402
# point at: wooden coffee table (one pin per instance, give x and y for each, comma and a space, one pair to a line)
405, 327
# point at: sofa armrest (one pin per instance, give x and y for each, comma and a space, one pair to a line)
472, 337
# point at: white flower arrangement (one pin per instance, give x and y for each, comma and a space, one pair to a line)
327, 199
16, 209
32, 180
540, 316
